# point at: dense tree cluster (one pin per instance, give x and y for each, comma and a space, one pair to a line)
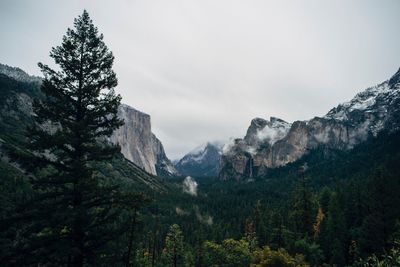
324, 217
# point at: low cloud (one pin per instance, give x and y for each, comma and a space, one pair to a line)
190, 186
180, 212
204, 219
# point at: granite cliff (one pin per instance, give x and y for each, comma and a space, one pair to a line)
274, 143
139, 145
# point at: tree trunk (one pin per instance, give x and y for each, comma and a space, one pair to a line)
131, 235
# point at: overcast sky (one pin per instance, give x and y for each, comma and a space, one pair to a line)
204, 69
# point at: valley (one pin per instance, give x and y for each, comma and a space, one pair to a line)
86, 178
245, 186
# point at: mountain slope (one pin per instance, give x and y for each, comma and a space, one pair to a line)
202, 161
138, 143
274, 143
16, 98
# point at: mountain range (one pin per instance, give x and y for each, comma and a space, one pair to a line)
267, 144
274, 143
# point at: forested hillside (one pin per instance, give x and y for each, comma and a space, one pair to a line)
333, 207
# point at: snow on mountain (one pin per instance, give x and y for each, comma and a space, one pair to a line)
200, 153
274, 143
201, 161
363, 101
276, 130
374, 106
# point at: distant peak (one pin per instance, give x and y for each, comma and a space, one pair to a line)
261, 123
275, 120
395, 79
18, 74
210, 144
217, 144
258, 121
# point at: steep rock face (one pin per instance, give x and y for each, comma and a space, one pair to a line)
139, 145
134, 138
164, 166
274, 143
202, 161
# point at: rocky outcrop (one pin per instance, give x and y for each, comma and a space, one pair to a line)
139, 145
134, 138
202, 161
164, 166
273, 143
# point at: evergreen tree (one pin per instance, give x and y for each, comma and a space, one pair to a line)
324, 238
324, 199
228, 254
304, 210
260, 223
279, 232
173, 251
276, 258
336, 231
337, 258
72, 214
383, 212
250, 236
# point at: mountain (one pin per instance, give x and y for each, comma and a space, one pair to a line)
138, 144
274, 143
18, 74
202, 161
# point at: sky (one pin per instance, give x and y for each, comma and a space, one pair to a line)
203, 69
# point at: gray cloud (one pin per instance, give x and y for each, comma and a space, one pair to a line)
190, 186
204, 69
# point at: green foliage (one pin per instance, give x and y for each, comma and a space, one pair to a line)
173, 252
250, 235
266, 257
311, 250
383, 212
390, 259
336, 232
304, 208
229, 253
143, 258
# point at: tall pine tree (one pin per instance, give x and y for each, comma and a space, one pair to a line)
72, 214
304, 208
173, 251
